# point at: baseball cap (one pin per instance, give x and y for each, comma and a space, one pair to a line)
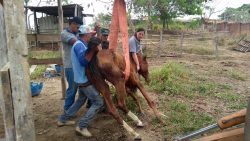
84, 29
105, 31
76, 20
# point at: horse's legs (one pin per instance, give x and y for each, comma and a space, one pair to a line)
134, 79
121, 95
103, 87
135, 98
151, 103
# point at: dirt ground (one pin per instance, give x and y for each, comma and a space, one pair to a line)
48, 105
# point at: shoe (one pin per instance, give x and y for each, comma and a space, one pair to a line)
83, 132
66, 123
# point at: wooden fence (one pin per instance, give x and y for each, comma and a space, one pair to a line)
170, 45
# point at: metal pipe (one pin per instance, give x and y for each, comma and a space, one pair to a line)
198, 132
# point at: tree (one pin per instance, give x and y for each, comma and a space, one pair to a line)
241, 14
104, 19
167, 10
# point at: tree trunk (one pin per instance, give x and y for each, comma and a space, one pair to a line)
164, 23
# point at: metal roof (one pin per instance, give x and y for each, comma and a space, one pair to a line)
68, 10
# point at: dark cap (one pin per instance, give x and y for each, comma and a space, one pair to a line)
76, 20
104, 31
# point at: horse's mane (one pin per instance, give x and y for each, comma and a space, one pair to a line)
92, 66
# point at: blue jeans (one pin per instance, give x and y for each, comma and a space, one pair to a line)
97, 102
71, 90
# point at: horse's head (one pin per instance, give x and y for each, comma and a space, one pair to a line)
94, 45
143, 67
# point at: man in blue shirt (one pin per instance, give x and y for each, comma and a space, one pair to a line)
68, 38
80, 60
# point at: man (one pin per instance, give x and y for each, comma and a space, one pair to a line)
79, 61
69, 37
104, 38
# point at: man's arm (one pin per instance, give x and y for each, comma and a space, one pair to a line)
68, 38
134, 56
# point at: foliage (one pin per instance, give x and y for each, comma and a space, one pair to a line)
167, 10
104, 19
241, 14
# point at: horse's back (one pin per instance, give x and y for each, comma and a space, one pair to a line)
109, 59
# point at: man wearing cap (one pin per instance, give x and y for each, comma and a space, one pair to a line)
79, 61
104, 38
68, 38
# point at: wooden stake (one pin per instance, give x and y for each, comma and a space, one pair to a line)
5, 90
60, 28
19, 69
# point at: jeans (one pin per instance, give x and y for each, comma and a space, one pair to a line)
97, 102
71, 90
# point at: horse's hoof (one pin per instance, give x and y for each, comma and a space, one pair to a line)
140, 124
137, 138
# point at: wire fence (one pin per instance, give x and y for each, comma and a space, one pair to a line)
203, 43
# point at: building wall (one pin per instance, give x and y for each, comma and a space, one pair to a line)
49, 24
233, 28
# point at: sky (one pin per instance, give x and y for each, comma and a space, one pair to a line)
100, 6
219, 5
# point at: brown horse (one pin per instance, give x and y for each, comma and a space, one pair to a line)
110, 66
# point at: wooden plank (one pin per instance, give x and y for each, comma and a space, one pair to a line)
5, 95
48, 37
231, 135
34, 61
31, 37
60, 28
19, 70
6, 104
3, 44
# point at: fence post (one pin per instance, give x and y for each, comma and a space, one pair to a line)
216, 46
160, 46
19, 69
5, 89
60, 28
181, 42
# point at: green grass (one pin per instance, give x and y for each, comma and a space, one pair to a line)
176, 79
44, 54
39, 71
199, 51
182, 119
177, 82
237, 75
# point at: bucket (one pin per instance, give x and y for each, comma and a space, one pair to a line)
36, 88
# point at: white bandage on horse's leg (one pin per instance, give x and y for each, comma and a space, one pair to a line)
130, 130
135, 118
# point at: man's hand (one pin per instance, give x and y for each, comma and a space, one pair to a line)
138, 67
